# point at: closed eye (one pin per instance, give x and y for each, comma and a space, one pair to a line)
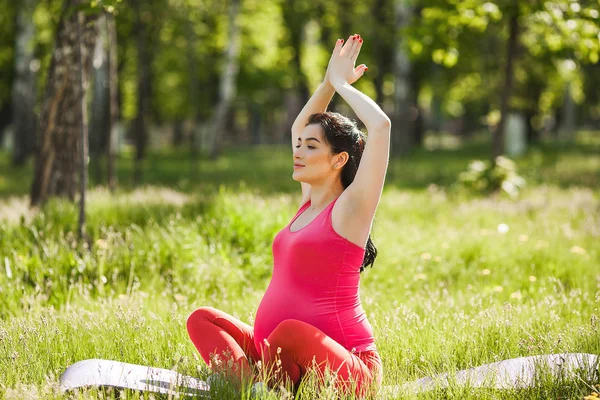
310, 147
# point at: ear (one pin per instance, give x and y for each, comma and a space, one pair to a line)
341, 159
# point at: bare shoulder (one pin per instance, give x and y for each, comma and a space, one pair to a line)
351, 221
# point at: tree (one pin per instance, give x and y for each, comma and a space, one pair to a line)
100, 107
482, 43
113, 80
24, 86
227, 87
145, 56
404, 107
59, 151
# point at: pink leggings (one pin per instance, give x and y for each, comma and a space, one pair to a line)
214, 332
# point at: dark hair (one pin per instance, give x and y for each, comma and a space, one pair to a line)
342, 134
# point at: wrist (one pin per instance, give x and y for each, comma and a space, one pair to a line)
338, 84
326, 84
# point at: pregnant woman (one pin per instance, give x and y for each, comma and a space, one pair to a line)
310, 317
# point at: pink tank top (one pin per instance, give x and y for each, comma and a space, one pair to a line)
316, 275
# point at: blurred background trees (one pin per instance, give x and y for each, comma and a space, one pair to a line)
205, 75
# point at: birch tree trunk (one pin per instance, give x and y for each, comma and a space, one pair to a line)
24, 87
56, 172
227, 88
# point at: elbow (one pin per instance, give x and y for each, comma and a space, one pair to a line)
385, 125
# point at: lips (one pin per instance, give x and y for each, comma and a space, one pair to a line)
298, 165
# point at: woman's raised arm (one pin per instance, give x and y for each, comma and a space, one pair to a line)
367, 186
321, 97
316, 104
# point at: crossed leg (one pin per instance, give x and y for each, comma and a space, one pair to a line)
297, 345
224, 339
300, 346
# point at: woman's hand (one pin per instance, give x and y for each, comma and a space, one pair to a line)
341, 64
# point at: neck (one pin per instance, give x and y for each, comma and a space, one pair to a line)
321, 196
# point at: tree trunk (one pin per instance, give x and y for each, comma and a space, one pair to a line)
296, 27
59, 154
113, 83
83, 126
405, 113
227, 88
24, 86
140, 123
100, 112
5, 119
295, 22
511, 55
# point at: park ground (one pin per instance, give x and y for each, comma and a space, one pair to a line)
461, 278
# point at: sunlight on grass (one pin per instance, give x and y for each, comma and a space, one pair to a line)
460, 280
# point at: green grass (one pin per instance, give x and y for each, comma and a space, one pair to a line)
448, 290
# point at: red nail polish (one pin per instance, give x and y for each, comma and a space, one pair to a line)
360, 40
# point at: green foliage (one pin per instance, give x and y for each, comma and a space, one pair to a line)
457, 50
487, 177
467, 39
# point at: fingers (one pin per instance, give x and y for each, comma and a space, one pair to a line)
351, 44
356, 47
338, 45
360, 71
348, 44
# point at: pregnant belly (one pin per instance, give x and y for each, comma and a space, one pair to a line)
273, 310
276, 307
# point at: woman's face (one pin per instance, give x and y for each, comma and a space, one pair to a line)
313, 161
